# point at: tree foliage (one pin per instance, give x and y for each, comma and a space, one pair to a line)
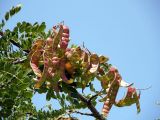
33, 60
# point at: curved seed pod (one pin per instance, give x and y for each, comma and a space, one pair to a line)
130, 98
84, 56
94, 62
103, 59
57, 37
65, 29
38, 44
110, 99
65, 35
111, 92
65, 38
105, 82
101, 71
68, 53
35, 54
85, 59
76, 55
50, 63
63, 44
107, 78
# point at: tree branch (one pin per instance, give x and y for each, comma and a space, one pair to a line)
18, 45
94, 111
14, 43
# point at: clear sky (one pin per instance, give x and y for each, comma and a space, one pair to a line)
128, 31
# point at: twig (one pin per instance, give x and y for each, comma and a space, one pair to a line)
144, 88
18, 45
99, 93
17, 61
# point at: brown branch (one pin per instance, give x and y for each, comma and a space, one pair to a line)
94, 111
18, 45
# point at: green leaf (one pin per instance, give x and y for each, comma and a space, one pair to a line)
18, 24
12, 11
92, 87
58, 95
28, 94
9, 102
23, 86
7, 16
62, 102
42, 27
48, 96
2, 24
18, 8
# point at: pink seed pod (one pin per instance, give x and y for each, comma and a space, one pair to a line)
65, 29
65, 35
49, 41
63, 44
130, 91
55, 60
65, 39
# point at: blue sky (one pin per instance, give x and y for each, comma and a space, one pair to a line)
127, 31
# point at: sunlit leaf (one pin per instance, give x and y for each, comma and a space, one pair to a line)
42, 27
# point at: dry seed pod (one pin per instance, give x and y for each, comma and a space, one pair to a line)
65, 38
111, 92
35, 56
130, 98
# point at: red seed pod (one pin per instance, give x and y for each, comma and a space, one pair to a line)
65, 29
63, 44
106, 107
55, 61
65, 35
105, 111
130, 91
112, 92
49, 41
65, 39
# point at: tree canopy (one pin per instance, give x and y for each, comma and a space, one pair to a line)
34, 60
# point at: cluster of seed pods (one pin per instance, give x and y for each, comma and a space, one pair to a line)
53, 61
45, 52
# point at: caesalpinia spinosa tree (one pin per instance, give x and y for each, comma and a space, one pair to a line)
60, 71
